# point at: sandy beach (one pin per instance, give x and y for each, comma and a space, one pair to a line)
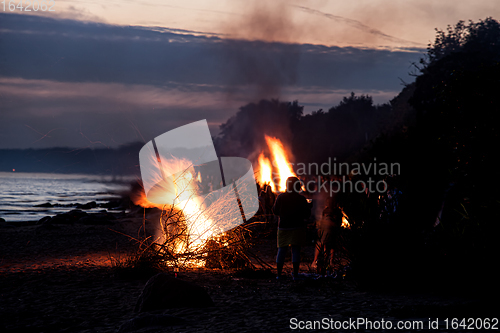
62, 278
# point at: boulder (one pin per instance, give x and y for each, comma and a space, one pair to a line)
149, 321
67, 218
105, 216
46, 226
60, 219
112, 204
165, 292
97, 219
88, 205
44, 220
75, 214
4, 224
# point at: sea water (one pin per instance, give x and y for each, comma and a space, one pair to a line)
21, 192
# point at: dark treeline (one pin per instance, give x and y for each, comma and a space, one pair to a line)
106, 161
445, 231
339, 132
342, 130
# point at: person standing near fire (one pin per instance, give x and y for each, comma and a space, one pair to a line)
267, 199
328, 226
292, 209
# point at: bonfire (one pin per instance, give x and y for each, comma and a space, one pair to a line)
282, 167
199, 230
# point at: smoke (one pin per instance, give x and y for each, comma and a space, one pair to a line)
259, 49
269, 21
263, 59
243, 134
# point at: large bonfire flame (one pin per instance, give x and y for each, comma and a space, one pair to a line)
280, 166
266, 171
199, 226
186, 226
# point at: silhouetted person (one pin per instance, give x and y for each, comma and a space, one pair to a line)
292, 209
328, 231
267, 199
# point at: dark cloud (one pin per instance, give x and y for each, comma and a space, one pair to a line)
71, 77
64, 50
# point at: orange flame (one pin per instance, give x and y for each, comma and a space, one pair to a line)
345, 221
180, 192
139, 199
281, 162
266, 172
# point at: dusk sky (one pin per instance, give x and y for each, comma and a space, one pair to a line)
105, 73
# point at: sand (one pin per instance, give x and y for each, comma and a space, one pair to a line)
62, 279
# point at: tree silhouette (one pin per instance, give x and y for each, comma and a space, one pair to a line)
243, 134
448, 160
456, 99
343, 130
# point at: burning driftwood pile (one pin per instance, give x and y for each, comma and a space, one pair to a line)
205, 201
193, 233
183, 244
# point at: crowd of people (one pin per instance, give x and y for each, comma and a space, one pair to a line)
292, 211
